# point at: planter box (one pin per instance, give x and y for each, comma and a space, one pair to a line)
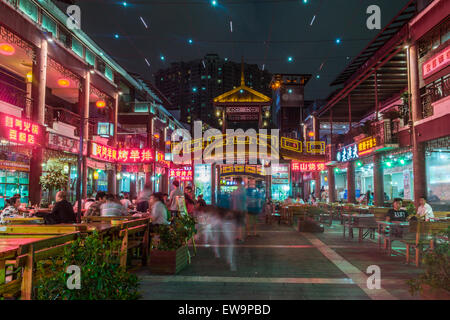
168, 262
429, 293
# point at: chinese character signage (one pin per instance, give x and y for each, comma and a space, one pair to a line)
102, 152
135, 155
181, 174
110, 154
20, 131
436, 63
160, 158
62, 143
348, 153
366, 146
307, 166
356, 150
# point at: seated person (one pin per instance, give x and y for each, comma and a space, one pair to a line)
288, 201
158, 210
126, 202
94, 208
12, 210
112, 207
62, 211
396, 213
299, 200
424, 210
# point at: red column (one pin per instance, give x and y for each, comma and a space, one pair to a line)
331, 185
38, 115
317, 190
378, 181
418, 148
351, 182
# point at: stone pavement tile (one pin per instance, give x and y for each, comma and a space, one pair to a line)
208, 291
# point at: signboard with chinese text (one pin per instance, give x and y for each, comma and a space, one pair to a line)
20, 131
356, 150
102, 152
307, 166
184, 174
436, 63
160, 158
135, 155
61, 143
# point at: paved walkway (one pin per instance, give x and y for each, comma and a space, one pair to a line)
283, 264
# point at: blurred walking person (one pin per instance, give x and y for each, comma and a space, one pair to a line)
239, 205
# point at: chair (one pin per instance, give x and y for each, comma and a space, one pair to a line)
135, 235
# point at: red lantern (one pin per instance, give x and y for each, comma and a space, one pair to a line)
100, 104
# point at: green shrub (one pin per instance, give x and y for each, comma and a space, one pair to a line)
102, 277
436, 265
174, 236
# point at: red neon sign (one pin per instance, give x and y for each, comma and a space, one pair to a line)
307, 166
122, 155
436, 63
135, 155
181, 174
20, 130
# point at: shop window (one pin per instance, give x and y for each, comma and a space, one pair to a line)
364, 180
29, 8
48, 24
64, 36
90, 58
77, 47
398, 177
438, 179
109, 73
340, 181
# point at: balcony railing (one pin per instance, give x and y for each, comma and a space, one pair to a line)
434, 92
53, 114
382, 130
14, 95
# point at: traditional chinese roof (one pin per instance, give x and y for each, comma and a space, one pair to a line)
242, 94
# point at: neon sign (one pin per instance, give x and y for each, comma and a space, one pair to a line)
20, 131
436, 63
356, 150
181, 174
135, 155
122, 155
307, 166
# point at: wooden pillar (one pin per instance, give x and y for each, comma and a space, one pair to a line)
376, 95
418, 148
378, 194
351, 182
331, 185
38, 115
316, 128
318, 186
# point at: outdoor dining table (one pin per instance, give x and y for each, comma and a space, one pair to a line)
24, 220
8, 250
360, 222
396, 229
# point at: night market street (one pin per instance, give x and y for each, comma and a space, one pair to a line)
282, 264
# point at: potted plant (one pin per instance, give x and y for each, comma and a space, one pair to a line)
54, 180
434, 283
170, 254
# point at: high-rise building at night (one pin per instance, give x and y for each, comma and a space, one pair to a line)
191, 86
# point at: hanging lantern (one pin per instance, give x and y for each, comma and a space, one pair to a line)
63, 83
7, 49
95, 175
100, 104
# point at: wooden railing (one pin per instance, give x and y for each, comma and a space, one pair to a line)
438, 90
14, 95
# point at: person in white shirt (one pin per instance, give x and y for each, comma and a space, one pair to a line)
158, 210
126, 201
425, 210
174, 194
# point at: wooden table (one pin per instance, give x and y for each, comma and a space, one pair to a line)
22, 220
8, 250
360, 222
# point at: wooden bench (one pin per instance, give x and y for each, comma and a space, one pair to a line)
90, 219
27, 257
389, 232
39, 231
420, 236
441, 214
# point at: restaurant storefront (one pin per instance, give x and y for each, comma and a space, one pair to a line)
437, 160
18, 138
398, 175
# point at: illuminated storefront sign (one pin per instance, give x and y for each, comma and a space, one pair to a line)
241, 169
366, 146
20, 130
436, 63
57, 142
161, 159
356, 150
184, 174
135, 155
110, 154
307, 166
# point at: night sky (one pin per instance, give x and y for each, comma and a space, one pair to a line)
171, 23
